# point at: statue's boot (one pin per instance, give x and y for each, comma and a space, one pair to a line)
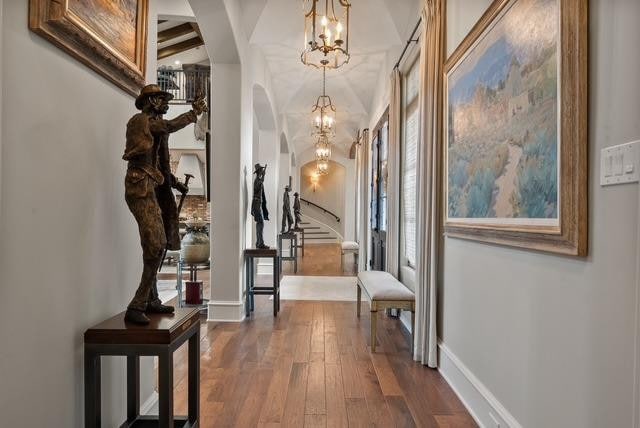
137, 317
156, 307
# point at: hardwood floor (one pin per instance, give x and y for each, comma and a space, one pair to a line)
321, 260
311, 367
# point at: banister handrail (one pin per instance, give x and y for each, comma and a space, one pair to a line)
184, 85
321, 208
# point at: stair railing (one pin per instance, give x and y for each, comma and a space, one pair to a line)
326, 211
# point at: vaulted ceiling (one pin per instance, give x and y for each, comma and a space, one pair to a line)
276, 27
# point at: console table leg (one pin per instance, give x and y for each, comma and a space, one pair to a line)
165, 387
133, 387
276, 287
252, 276
194, 378
92, 416
247, 280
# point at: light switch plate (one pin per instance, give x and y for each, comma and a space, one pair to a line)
620, 164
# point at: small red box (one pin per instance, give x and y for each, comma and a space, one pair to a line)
194, 293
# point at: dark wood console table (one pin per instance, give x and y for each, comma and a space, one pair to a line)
292, 237
164, 334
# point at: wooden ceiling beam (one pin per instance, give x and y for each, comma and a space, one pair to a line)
196, 28
179, 47
175, 32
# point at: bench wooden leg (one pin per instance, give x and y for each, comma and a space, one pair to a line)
359, 299
374, 326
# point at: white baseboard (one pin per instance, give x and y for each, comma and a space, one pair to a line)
220, 311
151, 403
483, 406
265, 267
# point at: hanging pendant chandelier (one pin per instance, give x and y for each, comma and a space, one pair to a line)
322, 167
323, 148
324, 112
326, 34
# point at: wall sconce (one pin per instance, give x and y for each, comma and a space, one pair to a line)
314, 180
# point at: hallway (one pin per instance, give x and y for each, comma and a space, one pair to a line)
312, 367
321, 260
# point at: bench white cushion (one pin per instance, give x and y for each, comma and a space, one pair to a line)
383, 286
350, 245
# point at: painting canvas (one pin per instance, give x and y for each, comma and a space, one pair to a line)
109, 36
505, 126
113, 20
503, 137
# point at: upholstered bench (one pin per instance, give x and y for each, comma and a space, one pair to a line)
349, 247
385, 292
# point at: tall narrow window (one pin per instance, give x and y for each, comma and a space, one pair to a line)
409, 156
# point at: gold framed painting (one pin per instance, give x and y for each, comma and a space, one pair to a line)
515, 128
110, 36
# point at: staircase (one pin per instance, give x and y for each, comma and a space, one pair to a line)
316, 232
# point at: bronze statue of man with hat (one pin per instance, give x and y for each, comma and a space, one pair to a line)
259, 204
296, 210
148, 190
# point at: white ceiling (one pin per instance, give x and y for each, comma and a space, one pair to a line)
276, 27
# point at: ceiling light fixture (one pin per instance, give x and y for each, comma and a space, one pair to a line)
323, 148
326, 40
322, 167
324, 111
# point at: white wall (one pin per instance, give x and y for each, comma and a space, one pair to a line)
552, 338
345, 205
329, 193
185, 138
269, 154
69, 250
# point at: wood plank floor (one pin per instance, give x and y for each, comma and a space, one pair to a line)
321, 260
312, 367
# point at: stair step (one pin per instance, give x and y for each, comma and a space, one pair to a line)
316, 233
312, 227
321, 237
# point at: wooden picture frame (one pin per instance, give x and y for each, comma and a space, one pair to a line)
569, 235
109, 37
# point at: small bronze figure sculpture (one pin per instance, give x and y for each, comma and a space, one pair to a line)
296, 211
259, 204
148, 191
287, 220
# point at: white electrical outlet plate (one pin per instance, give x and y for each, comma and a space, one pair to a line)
620, 164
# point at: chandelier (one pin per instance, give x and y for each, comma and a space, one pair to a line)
326, 41
322, 167
324, 111
323, 148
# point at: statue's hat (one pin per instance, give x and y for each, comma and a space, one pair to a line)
148, 91
257, 167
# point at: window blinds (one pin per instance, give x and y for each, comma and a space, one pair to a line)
409, 158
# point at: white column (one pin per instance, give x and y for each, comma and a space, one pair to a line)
350, 197
227, 181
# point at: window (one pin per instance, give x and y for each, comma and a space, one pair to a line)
410, 128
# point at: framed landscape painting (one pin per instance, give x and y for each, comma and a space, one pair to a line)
515, 128
110, 36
